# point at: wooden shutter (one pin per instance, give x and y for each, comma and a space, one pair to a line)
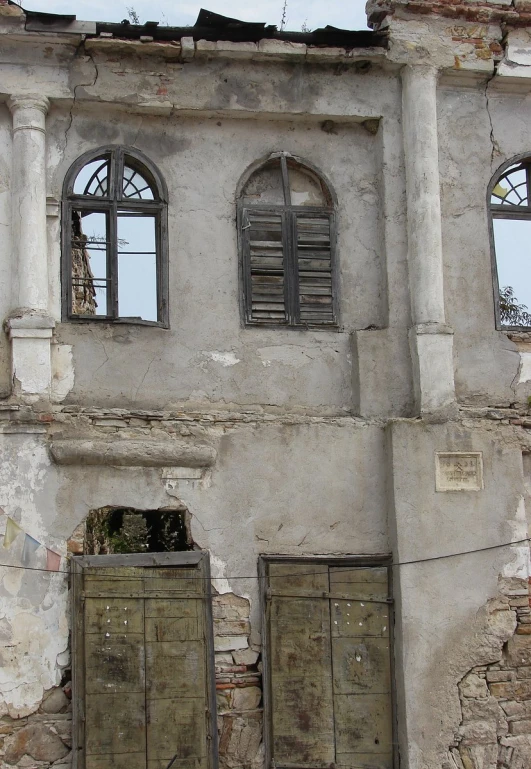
314, 237
328, 666
264, 250
143, 678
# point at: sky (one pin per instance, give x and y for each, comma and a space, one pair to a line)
345, 14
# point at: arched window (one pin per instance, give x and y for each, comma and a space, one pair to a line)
510, 210
286, 224
114, 239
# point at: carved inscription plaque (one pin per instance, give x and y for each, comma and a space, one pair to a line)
458, 471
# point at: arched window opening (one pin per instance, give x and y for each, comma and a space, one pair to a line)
286, 222
114, 239
510, 210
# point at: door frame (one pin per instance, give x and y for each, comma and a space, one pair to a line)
358, 561
197, 558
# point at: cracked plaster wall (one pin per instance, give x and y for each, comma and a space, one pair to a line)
487, 362
5, 243
202, 162
443, 628
265, 486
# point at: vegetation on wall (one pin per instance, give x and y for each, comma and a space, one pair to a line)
126, 530
511, 312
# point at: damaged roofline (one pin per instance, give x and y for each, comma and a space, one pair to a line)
209, 26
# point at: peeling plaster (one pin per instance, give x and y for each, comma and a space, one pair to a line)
225, 358
525, 367
62, 371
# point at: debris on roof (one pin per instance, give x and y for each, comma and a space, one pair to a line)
209, 26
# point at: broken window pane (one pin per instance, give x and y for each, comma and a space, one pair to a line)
89, 263
93, 179
135, 186
511, 225
306, 189
512, 238
137, 266
114, 258
512, 188
265, 186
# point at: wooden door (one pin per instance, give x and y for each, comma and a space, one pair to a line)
328, 665
143, 681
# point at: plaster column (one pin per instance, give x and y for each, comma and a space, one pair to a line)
430, 338
30, 326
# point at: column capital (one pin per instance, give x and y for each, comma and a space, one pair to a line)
421, 71
28, 101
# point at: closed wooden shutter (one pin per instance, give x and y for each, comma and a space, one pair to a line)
264, 246
143, 679
314, 241
328, 666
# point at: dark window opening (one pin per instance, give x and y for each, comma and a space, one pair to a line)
510, 210
114, 240
287, 240
127, 530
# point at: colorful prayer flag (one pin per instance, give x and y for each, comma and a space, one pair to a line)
30, 546
11, 533
53, 560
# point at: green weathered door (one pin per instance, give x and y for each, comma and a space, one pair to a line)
328, 665
143, 675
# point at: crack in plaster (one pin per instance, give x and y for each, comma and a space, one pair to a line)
91, 84
495, 146
143, 378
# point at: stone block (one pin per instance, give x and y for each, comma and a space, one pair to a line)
55, 701
36, 740
520, 727
494, 676
282, 48
230, 643
224, 700
478, 732
473, 686
503, 691
240, 739
247, 698
518, 651
522, 690
231, 627
187, 48
481, 710
524, 672
479, 756
230, 607
245, 657
512, 708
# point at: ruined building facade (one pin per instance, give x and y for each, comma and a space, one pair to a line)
266, 470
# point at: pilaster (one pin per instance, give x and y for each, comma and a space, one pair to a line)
30, 328
430, 337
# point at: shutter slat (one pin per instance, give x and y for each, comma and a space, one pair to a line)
265, 262
314, 265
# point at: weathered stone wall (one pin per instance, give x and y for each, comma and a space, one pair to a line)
495, 731
42, 739
238, 684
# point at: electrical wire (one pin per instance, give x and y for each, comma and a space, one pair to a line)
279, 576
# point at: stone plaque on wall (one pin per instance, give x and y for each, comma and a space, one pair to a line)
458, 471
